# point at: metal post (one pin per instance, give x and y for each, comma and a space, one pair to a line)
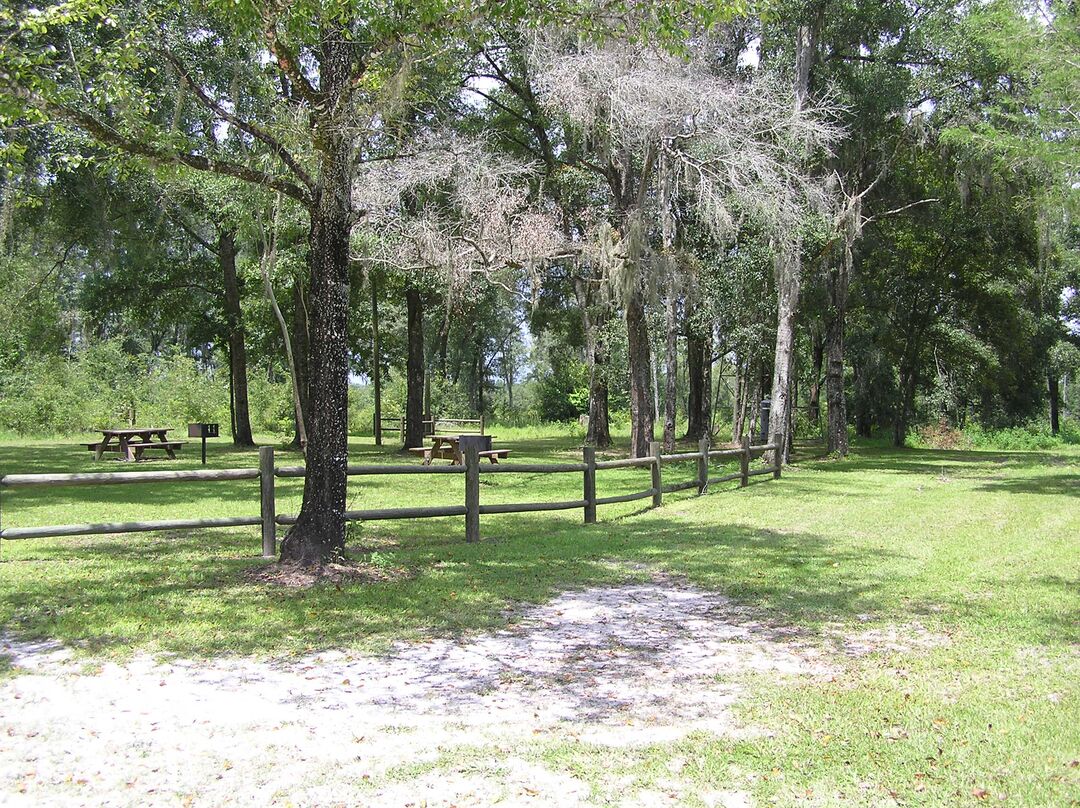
744, 462
763, 421
590, 485
658, 495
266, 491
778, 454
472, 492
481, 423
703, 465
378, 430
204, 445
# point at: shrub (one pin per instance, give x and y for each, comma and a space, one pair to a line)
1027, 437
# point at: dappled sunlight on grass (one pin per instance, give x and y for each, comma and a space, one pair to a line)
968, 561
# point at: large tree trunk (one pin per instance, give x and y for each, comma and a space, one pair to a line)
414, 370
376, 355
671, 370
319, 533
1055, 402
642, 416
234, 320
699, 399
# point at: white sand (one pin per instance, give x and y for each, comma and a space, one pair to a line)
617, 666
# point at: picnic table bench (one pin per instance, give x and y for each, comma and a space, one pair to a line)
132, 443
448, 447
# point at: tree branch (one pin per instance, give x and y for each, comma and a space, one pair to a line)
191, 231
104, 133
285, 58
256, 132
899, 209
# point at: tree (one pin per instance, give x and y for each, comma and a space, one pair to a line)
321, 100
663, 126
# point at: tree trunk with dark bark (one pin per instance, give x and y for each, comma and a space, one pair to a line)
319, 533
817, 363
671, 370
699, 378
837, 434
642, 416
836, 281
376, 355
234, 322
1054, 388
908, 385
599, 432
414, 369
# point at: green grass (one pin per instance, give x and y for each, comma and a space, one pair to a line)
980, 547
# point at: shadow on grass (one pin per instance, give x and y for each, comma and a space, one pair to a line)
187, 594
1046, 484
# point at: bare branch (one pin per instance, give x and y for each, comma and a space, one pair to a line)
482, 221
900, 209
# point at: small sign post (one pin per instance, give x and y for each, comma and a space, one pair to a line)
203, 431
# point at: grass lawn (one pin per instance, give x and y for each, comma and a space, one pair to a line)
963, 569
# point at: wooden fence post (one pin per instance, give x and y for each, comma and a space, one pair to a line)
744, 462
778, 454
472, 491
590, 485
266, 496
658, 495
703, 465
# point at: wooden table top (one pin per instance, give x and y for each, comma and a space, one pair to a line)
135, 430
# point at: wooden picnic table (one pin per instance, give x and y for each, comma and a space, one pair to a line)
132, 442
448, 447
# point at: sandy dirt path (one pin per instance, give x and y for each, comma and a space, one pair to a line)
618, 666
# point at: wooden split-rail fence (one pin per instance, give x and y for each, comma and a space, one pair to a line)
472, 509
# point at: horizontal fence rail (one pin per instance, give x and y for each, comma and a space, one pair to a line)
268, 472
125, 477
